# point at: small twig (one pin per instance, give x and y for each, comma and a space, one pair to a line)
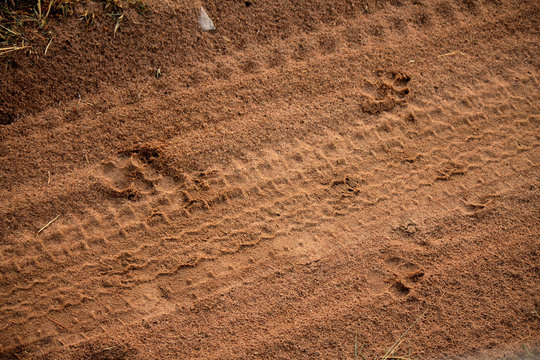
57, 323
49, 178
49, 223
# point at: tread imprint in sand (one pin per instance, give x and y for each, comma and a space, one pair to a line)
269, 196
165, 240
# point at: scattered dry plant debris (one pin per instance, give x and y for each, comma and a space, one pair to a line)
25, 23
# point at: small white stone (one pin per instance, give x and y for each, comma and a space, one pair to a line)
204, 20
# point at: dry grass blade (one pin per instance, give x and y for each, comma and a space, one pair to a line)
117, 24
360, 353
88, 17
49, 223
47, 47
357, 351
9, 49
42, 19
39, 9
47, 14
10, 31
395, 346
451, 53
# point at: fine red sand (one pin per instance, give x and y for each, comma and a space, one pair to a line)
311, 175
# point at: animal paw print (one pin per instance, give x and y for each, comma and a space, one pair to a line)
408, 229
387, 92
123, 179
134, 175
392, 83
406, 276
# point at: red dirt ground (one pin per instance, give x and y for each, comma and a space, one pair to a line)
311, 173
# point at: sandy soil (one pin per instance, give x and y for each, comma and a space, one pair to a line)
312, 175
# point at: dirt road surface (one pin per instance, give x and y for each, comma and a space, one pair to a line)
310, 177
